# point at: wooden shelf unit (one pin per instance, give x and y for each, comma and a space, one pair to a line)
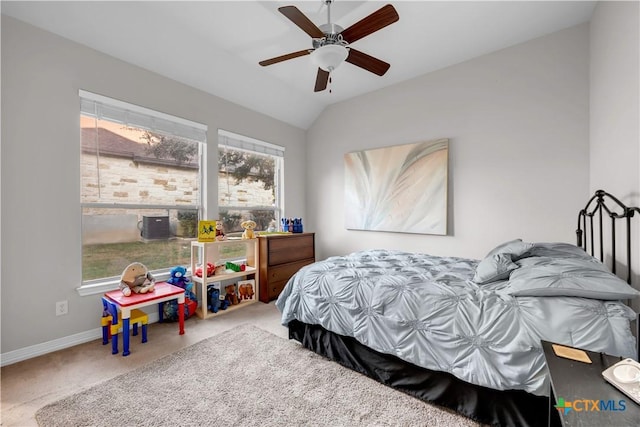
219, 252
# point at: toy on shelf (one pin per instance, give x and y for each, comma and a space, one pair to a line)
292, 225
231, 295
213, 298
245, 289
248, 229
235, 267
206, 231
211, 269
220, 231
136, 278
214, 303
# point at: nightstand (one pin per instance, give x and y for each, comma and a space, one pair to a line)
281, 256
581, 386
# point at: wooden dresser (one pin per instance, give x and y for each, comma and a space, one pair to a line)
281, 255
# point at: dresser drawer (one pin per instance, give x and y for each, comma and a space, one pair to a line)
290, 249
274, 289
284, 272
277, 277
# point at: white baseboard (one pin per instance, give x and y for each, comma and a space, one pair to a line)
25, 353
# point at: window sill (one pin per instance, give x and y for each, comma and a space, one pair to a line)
109, 285
97, 288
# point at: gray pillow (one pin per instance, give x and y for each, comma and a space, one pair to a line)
499, 262
569, 277
516, 248
494, 268
557, 250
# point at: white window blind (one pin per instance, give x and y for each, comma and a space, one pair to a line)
102, 107
249, 144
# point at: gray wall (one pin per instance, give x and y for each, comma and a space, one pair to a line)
518, 125
41, 75
615, 109
522, 123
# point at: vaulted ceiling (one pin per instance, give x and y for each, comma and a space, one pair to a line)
215, 46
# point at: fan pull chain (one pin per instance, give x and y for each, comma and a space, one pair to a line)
330, 83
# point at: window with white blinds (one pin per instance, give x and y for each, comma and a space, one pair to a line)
102, 107
250, 182
141, 187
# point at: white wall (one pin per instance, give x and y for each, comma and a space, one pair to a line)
518, 125
614, 101
615, 109
41, 75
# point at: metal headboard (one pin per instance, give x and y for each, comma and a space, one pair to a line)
597, 207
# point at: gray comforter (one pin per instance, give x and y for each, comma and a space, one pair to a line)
438, 313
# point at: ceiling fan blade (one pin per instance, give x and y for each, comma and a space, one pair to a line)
321, 80
379, 19
284, 57
367, 62
298, 18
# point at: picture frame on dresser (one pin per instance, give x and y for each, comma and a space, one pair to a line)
281, 256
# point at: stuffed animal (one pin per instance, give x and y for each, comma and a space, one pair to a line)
136, 278
248, 229
219, 231
170, 308
213, 298
246, 291
231, 295
179, 277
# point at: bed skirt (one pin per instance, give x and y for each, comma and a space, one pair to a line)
485, 405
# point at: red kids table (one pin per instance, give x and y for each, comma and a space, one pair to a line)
162, 292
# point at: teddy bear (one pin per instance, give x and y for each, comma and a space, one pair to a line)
178, 277
231, 295
170, 308
136, 278
248, 229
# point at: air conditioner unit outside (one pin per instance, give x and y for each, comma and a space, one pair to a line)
155, 227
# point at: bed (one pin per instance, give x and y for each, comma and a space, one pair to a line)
462, 333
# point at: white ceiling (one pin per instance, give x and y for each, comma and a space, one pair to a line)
215, 46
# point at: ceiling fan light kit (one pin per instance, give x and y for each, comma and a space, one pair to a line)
331, 44
330, 56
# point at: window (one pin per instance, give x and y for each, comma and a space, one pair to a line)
141, 188
249, 182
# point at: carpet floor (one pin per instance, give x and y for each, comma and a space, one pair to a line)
243, 377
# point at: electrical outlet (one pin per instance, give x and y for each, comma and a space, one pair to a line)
62, 308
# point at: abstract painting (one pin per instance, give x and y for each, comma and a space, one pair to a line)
402, 188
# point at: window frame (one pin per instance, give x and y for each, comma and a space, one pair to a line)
117, 111
227, 139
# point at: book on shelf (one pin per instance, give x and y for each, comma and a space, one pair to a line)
206, 231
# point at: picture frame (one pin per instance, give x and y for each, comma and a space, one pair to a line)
400, 188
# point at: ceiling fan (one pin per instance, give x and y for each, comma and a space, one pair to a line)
332, 44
